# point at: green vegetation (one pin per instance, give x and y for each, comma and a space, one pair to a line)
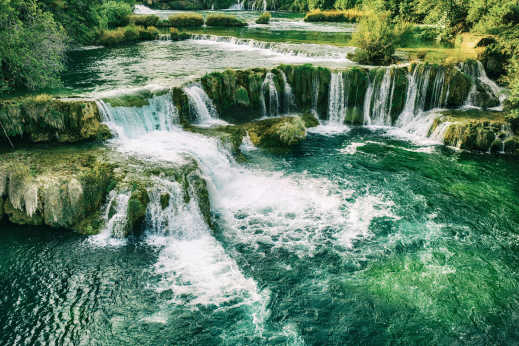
347, 16
186, 20
177, 35
264, 18
128, 34
116, 13
224, 20
150, 20
32, 49
375, 37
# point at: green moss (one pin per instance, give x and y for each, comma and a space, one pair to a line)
137, 206
309, 120
242, 96
164, 200
277, 132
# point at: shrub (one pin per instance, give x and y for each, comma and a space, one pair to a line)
176, 35
264, 18
131, 33
151, 20
112, 37
347, 16
375, 38
116, 13
164, 23
225, 20
149, 33
186, 20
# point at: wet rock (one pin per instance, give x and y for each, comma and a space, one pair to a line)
42, 119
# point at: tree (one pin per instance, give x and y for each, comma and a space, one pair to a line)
33, 46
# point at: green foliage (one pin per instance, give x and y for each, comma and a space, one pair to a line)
32, 46
128, 34
151, 20
177, 35
186, 20
375, 37
116, 13
347, 16
224, 20
264, 18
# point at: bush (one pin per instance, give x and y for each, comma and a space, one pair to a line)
375, 38
224, 20
116, 13
164, 23
176, 35
112, 37
149, 33
346, 16
151, 20
264, 18
186, 20
131, 33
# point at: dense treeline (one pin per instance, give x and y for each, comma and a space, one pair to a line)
34, 36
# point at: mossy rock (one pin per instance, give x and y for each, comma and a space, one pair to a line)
137, 206
511, 145
277, 132
309, 120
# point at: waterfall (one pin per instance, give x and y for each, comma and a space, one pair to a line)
367, 103
160, 114
379, 111
270, 103
116, 214
476, 71
200, 104
315, 91
288, 96
264, 5
302, 50
418, 82
239, 6
336, 101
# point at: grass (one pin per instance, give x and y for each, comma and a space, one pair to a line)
344, 16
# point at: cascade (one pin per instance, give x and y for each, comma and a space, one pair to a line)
160, 114
336, 101
116, 212
201, 106
379, 111
264, 5
315, 91
239, 6
270, 104
288, 96
304, 50
367, 103
476, 71
415, 96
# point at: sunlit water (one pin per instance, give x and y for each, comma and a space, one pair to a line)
352, 238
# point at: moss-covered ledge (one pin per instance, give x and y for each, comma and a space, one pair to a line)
43, 119
69, 187
486, 131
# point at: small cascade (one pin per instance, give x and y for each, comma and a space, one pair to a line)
367, 103
315, 91
302, 50
476, 71
239, 6
164, 37
269, 96
264, 5
201, 106
160, 114
288, 96
380, 106
116, 214
336, 101
418, 83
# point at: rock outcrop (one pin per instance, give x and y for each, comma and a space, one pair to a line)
43, 119
67, 188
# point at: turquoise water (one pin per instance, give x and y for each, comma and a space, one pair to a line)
411, 244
